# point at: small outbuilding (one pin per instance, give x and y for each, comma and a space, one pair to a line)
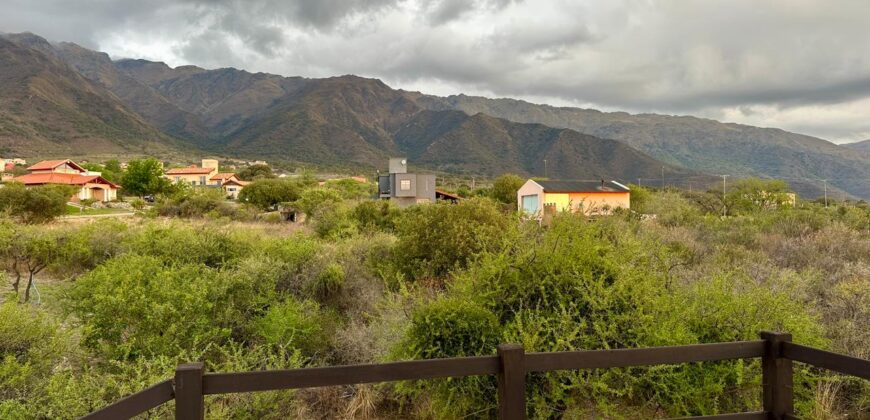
587, 197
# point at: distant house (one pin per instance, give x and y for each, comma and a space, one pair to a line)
222, 177
538, 198
403, 188
195, 175
233, 186
91, 185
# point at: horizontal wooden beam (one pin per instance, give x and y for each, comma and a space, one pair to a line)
599, 359
828, 360
222, 383
137, 403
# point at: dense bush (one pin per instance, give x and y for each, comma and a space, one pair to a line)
453, 328
36, 204
297, 324
375, 215
134, 306
267, 194
504, 189
435, 239
142, 295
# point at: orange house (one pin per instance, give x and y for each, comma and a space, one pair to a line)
587, 197
91, 185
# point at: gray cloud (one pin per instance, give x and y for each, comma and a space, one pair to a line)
799, 65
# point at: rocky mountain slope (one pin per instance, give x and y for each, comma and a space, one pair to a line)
351, 121
48, 109
696, 143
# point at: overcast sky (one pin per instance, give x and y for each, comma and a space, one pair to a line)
795, 64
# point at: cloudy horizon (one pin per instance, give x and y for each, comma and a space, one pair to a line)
802, 66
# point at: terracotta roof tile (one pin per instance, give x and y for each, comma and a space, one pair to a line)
190, 171
65, 179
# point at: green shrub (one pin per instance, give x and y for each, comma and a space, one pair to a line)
35, 204
435, 239
329, 282
266, 194
31, 346
333, 221
135, 306
376, 215
315, 200
505, 187
453, 328
297, 324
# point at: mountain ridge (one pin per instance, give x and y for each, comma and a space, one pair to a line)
360, 121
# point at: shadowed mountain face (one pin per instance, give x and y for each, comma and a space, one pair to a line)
353, 121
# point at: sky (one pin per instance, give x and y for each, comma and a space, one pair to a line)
800, 65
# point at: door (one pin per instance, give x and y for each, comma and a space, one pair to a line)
98, 194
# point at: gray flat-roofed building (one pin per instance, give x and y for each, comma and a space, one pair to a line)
405, 188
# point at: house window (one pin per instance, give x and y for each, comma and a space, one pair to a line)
202, 180
178, 178
405, 185
530, 204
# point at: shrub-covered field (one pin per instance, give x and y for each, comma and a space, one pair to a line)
114, 306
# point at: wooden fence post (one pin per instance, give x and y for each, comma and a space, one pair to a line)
511, 382
777, 380
189, 401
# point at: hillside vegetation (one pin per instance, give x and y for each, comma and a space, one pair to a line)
363, 282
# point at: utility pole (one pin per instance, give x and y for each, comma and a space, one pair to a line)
724, 207
826, 192
638, 182
546, 174
663, 177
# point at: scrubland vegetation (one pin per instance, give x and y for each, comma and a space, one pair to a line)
120, 304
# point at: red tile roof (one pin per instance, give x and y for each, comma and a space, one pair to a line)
66, 179
223, 176
190, 171
51, 164
237, 182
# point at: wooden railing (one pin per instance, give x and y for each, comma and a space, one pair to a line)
511, 364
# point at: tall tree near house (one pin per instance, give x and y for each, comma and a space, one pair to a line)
255, 172
505, 187
145, 177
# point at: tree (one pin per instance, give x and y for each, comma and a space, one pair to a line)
145, 177
30, 251
255, 172
266, 194
505, 188
758, 194
36, 204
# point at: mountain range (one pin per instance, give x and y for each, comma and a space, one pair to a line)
60, 99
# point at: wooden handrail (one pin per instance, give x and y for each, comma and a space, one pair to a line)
223, 383
824, 359
601, 359
137, 403
511, 365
